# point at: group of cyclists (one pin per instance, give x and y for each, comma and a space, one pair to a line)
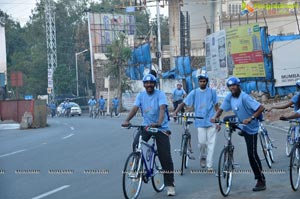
97, 107
153, 105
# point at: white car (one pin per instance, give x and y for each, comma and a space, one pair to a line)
75, 109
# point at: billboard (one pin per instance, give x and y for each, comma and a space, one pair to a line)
105, 27
244, 52
215, 45
286, 61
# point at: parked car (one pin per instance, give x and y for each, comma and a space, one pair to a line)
75, 109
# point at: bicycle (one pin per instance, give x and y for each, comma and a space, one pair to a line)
266, 144
226, 161
141, 165
185, 148
290, 137
294, 140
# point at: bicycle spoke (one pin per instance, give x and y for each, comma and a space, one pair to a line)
158, 176
295, 168
225, 169
132, 176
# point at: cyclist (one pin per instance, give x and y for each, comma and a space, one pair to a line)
247, 110
92, 103
294, 101
153, 105
205, 102
177, 96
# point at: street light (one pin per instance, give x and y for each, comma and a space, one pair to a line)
76, 54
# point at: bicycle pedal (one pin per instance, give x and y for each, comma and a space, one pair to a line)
236, 166
191, 157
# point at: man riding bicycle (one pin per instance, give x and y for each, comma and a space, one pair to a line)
153, 105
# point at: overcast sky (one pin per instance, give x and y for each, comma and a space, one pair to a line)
20, 10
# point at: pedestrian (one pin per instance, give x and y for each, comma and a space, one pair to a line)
205, 103
52, 108
92, 104
247, 110
177, 97
153, 105
294, 101
115, 105
101, 103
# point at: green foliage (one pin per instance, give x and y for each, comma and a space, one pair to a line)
27, 48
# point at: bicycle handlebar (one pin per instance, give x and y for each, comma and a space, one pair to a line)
147, 128
289, 120
189, 115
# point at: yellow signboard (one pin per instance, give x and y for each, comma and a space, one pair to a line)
244, 52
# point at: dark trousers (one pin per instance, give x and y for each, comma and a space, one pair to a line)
176, 103
164, 153
255, 163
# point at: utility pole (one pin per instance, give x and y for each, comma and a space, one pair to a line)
51, 44
158, 54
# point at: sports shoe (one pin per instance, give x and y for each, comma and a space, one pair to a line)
260, 185
210, 169
170, 191
202, 162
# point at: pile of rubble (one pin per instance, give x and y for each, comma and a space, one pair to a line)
267, 101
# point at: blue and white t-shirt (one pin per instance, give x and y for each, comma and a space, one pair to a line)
243, 107
204, 102
149, 105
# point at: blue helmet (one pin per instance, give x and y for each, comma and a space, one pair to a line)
203, 76
298, 83
233, 81
149, 78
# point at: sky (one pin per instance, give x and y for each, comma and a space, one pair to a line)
20, 10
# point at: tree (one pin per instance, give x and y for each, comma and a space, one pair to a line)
118, 55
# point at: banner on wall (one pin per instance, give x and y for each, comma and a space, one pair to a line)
244, 52
215, 45
286, 62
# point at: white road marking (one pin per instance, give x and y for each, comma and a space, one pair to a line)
68, 136
72, 128
12, 153
51, 192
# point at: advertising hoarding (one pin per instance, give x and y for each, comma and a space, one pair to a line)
286, 62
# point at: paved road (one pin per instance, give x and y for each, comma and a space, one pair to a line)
83, 158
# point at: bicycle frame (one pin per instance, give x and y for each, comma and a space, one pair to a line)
226, 160
266, 144
142, 164
147, 151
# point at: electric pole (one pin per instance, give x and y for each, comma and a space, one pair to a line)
51, 45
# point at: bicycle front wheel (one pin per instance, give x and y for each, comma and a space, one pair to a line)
264, 145
225, 170
158, 175
295, 168
289, 140
132, 176
184, 145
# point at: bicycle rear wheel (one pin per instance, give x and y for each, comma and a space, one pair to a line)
184, 157
295, 168
264, 145
158, 175
132, 176
225, 170
289, 140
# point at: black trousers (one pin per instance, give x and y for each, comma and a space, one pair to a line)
254, 160
176, 103
164, 153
